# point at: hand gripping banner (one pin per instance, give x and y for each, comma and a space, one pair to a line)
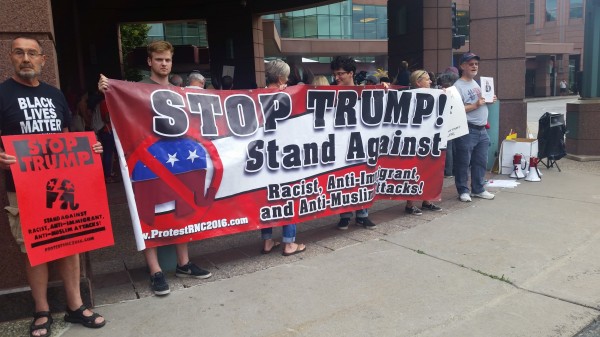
204, 163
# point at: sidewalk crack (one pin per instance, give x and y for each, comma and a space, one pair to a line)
137, 294
495, 277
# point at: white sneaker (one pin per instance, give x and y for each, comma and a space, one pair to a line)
465, 197
484, 195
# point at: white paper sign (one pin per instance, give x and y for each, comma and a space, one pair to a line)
487, 89
228, 71
455, 116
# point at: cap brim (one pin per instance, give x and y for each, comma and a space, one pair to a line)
470, 58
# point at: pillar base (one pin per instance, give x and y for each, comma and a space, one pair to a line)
583, 123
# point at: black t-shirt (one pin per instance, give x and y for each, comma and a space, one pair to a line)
30, 110
403, 78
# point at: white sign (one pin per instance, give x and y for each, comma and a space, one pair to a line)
487, 89
455, 116
228, 71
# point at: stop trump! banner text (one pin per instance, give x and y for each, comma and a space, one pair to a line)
203, 163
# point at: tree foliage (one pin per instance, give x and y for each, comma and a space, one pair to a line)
133, 35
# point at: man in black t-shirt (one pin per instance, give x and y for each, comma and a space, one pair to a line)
28, 106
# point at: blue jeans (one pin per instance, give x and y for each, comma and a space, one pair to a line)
471, 150
448, 165
288, 234
360, 213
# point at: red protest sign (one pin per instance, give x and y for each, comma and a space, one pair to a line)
61, 194
205, 163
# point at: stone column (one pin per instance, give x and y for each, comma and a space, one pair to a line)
498, 37
583, 123
583, 117
591, 50
542, 76
259, 51
13, 23
437, 35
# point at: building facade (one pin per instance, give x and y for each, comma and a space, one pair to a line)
554, 45
553, 42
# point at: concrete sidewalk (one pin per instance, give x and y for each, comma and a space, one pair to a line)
524, 264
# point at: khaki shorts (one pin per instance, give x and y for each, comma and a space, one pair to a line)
12, 211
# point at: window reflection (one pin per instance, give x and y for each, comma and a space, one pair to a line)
342, 20
180, 33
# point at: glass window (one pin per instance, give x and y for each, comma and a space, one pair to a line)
335, 21
358, 31
191, 40
576, 9
189, 28
370, 12
323, 10
175, 40
531, 11
370, 30
382, 31
310, 26
324, 59
298, 13
381, 13
358, 14
298, 27
181, 33
323, 22
286, 27
550, 10
172, 29
335, 9
156, 31
369, 22
346, 27
346, 7
335, 24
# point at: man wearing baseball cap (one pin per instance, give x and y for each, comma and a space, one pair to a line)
472, 148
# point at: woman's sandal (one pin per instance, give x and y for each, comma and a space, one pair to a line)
77, 316
275, 246
46, 325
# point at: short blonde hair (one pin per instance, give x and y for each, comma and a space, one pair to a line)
320, 80
415, 76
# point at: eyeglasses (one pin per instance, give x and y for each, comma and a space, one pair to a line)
20, 53
340, 73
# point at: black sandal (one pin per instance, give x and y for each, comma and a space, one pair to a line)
34, 327
77, 316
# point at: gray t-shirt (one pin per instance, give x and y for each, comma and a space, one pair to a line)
147, 80
470, 92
